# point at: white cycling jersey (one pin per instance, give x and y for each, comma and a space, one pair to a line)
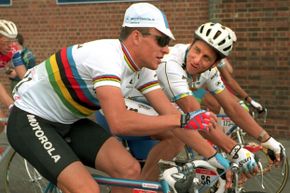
62, 88
177, 83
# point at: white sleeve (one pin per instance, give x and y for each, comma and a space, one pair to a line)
106, 71
173, 80
147, 81
221, 64
214, 82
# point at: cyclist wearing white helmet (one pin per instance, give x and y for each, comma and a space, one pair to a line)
8, 32
10, 49
178, 70
226, 70
191, 66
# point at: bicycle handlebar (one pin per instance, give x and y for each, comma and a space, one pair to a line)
181, 178
265, 111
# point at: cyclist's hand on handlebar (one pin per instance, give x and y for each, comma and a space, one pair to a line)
198, 120
245, 159
219, 161
276, 147
257, 106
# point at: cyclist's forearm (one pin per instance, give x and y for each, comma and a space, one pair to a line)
219, 138
5, 98
188, 104
195, 141
244, 120
237, 88
20, 70
147, 125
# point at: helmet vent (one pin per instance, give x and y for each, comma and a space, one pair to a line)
221, 42
218, 33
228, 48
201, 29
208, 31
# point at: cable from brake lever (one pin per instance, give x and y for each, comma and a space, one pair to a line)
262, 174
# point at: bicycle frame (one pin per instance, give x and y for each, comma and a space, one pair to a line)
162, 185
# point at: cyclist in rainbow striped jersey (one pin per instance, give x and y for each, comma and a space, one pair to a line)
48, 124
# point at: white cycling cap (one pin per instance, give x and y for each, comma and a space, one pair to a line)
147, 15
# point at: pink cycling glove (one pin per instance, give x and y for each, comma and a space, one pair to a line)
197, 120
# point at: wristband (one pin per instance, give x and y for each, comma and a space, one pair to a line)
234, 151
212, 155
261, 136
17, 59
183, 120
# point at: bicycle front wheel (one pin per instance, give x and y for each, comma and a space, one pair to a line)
22, 177
274, 178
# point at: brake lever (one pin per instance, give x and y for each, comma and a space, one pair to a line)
284, 160
261, 170
265, 114
272, 156
235, 170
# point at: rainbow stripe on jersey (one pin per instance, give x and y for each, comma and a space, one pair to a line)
69, 85
147, 86
107, 78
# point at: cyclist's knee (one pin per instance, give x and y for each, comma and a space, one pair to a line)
172, 142
176, 144
130, 170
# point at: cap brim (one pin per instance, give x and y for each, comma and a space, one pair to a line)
167, 32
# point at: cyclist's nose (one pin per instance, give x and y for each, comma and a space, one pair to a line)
165, 49
197, 59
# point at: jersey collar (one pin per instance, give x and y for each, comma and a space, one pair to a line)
185, 57
129, 60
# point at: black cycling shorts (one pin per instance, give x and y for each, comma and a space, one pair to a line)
49, 146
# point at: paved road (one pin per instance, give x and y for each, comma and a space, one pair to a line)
19, 186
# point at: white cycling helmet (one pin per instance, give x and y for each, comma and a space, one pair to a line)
216, 36
232, 34
8, 29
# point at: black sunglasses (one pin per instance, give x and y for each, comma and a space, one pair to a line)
162, 41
